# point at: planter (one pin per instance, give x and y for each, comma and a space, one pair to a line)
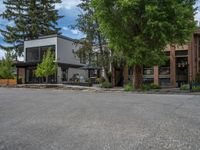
8, 82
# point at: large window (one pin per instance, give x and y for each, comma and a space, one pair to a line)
148, 71
148, 75
165, 69
35, 54
44, 50
32, 54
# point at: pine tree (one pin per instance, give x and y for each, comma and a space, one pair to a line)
14, 32
28, 19
50, 16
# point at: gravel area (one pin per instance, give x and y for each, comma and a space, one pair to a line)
47, 119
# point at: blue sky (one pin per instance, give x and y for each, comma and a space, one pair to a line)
69, 10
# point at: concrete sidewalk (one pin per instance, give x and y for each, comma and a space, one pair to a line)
98, 89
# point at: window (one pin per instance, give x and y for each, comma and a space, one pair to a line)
148, 71
165, 69
37, 53
44, 49
32, 54
181, 53
164, 81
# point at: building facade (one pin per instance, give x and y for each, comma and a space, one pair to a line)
181, 67
64, 49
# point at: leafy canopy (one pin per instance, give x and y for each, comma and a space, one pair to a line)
143, 28
48, 66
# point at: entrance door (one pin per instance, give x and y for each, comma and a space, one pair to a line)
181, 70
30, 75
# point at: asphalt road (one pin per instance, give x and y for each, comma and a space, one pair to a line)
64, 120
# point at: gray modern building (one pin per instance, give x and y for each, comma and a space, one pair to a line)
64, 49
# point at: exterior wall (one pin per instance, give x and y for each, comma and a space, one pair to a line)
40, 42
193, 58
59, 75
65, 52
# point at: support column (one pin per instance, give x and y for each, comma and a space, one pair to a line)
190, 62
173, 65
156, 75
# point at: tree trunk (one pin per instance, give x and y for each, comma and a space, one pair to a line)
104, 65
138, 76
47, 79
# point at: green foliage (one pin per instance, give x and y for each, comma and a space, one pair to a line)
128, 87
147, 87
6, 68
106, 84
197, 78
30, 19
185, 87
142, 29
196, 88
48, 66
88, 23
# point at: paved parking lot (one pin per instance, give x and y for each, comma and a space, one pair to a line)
71, 120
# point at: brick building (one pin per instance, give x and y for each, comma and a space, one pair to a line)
181, 68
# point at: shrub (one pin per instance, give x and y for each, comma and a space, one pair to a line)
106, 84
185, 87
197, 78
196, 88
147, 87
155, 86
102, 79
128, 87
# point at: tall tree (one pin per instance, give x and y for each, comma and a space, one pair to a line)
14, 32
47, 67
48, 13
28, 19
88, 24
142, 28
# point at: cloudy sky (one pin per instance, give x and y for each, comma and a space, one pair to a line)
69, 10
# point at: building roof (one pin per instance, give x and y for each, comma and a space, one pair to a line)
55, 35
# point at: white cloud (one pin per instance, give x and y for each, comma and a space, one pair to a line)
68, 4
75, 31
65, 28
